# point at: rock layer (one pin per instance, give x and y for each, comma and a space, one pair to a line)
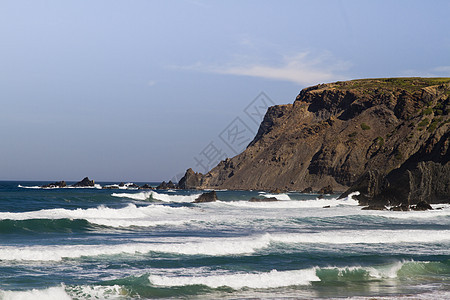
387, 138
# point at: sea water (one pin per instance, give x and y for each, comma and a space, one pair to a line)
93, 243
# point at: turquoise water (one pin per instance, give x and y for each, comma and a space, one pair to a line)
129, 244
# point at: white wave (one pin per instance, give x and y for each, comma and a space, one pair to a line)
152, 215
96, 186
365, 237
443, 211
33, 187
57, 293
158, 196
319, 203
135, 196
272, 279
223, 246
213, 247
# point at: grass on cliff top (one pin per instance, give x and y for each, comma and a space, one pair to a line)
410, 84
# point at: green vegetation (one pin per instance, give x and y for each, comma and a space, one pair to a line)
398, 155
411, 84
423, 123
380, 141
353, 134
428, 111
434, 124
364, 126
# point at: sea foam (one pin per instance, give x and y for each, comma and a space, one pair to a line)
158, 196
131, 215
57, 293
272, 279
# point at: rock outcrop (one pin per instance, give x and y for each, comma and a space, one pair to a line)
386, 138
166, 185
57, 184
86, 182
206, 197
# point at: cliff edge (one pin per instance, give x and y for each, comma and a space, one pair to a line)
386, 138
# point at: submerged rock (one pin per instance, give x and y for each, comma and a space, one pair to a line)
86, 182
206, 197
269, 199
375, 207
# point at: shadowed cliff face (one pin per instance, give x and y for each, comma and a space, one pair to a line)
334, 134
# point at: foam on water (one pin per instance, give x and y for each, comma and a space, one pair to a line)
272, 279
278, 196
223, 246
56, 293
365, 237
152, 215
158, 196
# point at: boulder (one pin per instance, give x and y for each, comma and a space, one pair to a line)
307, 190
206, 197
422, 205
270, 199
402, 207
326, 190
86, 182
146, 187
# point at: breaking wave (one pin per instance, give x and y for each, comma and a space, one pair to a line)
152, 195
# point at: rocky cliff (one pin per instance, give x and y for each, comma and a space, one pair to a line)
387, 138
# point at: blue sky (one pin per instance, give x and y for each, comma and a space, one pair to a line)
138, 90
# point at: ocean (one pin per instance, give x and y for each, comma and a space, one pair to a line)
93, 243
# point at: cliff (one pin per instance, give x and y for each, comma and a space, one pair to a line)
387, 138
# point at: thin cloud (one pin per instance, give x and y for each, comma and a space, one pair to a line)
302, 68
432, 72
151, 82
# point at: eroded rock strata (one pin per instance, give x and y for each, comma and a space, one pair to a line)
386, 138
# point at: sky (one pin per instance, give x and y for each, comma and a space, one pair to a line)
141, 90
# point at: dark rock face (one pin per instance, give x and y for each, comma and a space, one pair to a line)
422, 205
190, 180
86, 182
57, 184
423, 177
270, 199
206, 197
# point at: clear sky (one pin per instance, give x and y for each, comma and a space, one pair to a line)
141, 90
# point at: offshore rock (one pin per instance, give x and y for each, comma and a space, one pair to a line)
146, 187
206, 197
166, 185
190, 180
57, 184
86, 182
